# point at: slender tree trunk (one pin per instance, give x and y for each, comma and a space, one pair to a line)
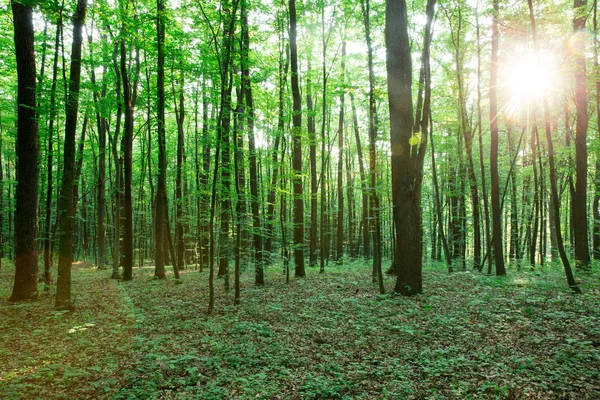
596, 201
180, 117
374, 214
259, 278
339, 248
49, 160
496, 211
554, 192
297, 149
364, 222
161, 190
314, 212
486, 208
438, 206
2, 200
27, 150
582, 255
323, 212
127, 166
66, 215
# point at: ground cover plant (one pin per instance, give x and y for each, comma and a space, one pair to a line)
323, 337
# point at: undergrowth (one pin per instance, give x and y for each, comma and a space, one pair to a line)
328, 336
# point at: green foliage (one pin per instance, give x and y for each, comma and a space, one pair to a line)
324, 337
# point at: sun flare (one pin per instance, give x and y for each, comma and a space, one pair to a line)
529, 78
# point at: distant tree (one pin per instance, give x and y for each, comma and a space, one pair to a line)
27, 150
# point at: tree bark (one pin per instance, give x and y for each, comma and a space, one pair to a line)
339, 248
27, 150
161, 192
582, 254
66, 215
407, 156
496, 210
259, 278
297, 149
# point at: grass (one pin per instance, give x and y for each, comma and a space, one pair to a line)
323, 337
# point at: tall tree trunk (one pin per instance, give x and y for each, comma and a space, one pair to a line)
49, 159
297, 149
339, 248
554, 192
314, 212
259, 278
127, 145
27, 150
582, 255
374, 215
364, 222
407, 154
496, 211
101, 126
438, 207
323, 240
271, 196
486, 207
161, 190
596, 201
180, 117
468, 137
66, 215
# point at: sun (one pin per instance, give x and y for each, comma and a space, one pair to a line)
527, 78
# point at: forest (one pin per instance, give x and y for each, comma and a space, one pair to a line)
300, 199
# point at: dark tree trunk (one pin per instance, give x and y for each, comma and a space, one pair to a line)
297, 149
27, 150
314, 212
180, 117
339, 248
49, 160
377, 274
66, 215
127, 144
486, 207
205, 199
271, 196
582, 254
496, 210
407, 156
259, 278
554, 192
438, 206
364, 222
161, 190
101, 126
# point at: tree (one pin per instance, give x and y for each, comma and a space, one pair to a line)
580, 225
66, 213
496, 211
128, 164
27, 150
161, 191
407, 150
297, 149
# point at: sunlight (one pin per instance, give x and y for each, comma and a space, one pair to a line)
529, 78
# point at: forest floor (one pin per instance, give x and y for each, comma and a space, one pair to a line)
323, 337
